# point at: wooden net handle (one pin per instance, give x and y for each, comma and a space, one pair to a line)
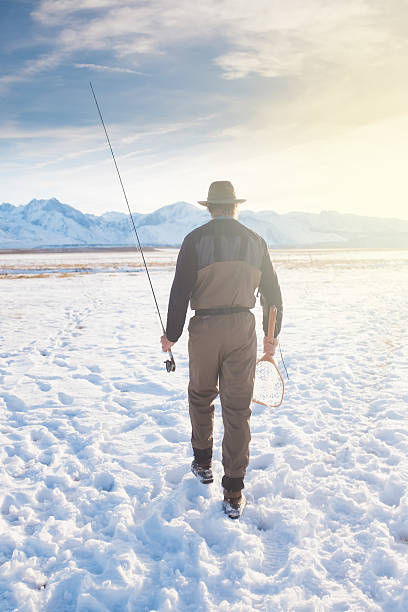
271, 324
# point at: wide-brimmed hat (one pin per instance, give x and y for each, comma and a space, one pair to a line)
221, 192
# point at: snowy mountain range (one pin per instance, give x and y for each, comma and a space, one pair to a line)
49, 223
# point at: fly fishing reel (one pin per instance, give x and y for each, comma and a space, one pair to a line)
170, 363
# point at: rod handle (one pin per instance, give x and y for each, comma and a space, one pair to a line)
271, 323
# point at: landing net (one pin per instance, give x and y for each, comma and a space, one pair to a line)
269, 387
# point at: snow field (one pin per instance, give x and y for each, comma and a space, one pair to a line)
98, 508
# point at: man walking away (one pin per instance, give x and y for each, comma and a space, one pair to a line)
220, 266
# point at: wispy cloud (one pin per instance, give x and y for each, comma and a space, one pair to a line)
32, 67
11, 130
42, 147
170, 128
100, 68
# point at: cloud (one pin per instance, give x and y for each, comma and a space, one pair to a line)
43, 63
108, 68
268, 38
265, 37
42, 147
307, 39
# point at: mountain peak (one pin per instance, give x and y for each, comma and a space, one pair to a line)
6, 206
42, 202
175, 213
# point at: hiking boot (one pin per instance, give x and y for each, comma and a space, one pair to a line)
202, 472
233, 504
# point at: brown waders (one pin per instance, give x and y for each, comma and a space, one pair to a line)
222, 351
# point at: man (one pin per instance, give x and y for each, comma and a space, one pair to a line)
220, 266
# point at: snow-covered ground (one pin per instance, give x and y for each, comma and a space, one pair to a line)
99, 511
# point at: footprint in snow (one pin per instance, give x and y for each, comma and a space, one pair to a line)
383, 565
95, 379
43, 386
85, 560
392, 493
125, 403
36, 434
103, 481
176, 474
65, 399
61, 363
132, 424
173, 435
151, 388
275, 551
14, 403
262, 462
46, 458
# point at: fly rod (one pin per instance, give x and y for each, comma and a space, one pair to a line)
170, 363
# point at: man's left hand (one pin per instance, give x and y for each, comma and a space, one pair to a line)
269, 347
166, 344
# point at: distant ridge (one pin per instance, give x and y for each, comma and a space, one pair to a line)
50, 223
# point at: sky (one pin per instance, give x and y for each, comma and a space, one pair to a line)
302, 105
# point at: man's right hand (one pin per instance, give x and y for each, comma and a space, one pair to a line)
269, 347
166, 344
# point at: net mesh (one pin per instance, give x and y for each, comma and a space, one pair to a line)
268, 385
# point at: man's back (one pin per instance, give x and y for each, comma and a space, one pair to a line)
220, 265
228, 262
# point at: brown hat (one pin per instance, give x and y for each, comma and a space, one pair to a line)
221, 192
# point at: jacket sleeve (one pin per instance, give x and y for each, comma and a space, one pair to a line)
270, 293
183, 283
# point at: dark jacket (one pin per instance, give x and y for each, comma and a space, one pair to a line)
221, 264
